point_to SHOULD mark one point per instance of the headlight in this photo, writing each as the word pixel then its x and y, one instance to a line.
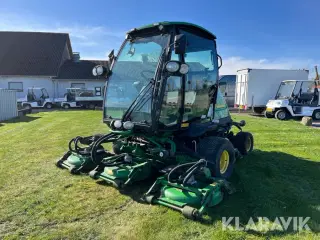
pixel 184 68
pixel 97 70
pixel 128 125
pixel 278 103
pixel 172 66
pixel 117 124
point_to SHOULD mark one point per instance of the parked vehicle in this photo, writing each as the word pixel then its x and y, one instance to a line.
pixel 254 87
pixel 77 97
pixel 36 98
pixel 295 98
pixel 227 85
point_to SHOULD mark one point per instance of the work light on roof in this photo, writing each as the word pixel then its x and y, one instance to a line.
pixel 172 66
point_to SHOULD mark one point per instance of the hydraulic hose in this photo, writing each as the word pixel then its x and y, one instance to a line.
pixel 186 176
pixel 104 139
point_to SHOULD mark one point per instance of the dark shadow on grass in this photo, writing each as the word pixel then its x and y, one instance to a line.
pixel 22 119
pixel 273 184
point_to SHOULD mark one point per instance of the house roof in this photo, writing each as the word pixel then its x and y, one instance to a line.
pixel 81 69
pixel 32 53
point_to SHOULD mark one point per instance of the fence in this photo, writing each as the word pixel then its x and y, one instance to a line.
pixel 8 104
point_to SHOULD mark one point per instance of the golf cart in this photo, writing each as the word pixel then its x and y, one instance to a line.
pixel 295 98
pixel 78 97
pixel 36 98
pixel 170 120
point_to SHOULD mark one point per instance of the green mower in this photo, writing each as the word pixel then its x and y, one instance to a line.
pixel 167 119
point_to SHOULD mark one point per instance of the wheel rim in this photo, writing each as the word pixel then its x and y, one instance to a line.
pixel 317 115
pixel 248 144
pixel 281 115
pixel 224 161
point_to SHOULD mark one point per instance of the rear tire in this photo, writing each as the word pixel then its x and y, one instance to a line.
pixel 66 106
pixel 219 152
pixel 282 115
pixel 316 115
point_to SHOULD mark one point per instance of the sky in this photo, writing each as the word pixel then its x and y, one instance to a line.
pixel 250 33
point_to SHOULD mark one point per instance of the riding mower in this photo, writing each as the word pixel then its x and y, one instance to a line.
pixel 171 122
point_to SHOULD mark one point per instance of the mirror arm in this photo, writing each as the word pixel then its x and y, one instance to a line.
pixel 219 57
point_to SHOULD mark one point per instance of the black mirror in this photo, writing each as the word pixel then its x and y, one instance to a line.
pixel 111 56
pixel 180 44
pixel 242 123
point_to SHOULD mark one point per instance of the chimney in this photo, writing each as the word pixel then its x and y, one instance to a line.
pixel 76 56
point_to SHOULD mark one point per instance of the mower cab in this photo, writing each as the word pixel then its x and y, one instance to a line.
pixel 164 109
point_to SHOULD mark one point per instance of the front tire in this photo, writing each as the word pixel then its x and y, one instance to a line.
pixel 243 141
pixel 282 115
pixel 66 106
pixel 316 115
pixel 219 152
pixel 48 106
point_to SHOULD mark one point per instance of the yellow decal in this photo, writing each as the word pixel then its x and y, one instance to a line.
pixel 185 125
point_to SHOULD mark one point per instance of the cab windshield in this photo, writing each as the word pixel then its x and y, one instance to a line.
pixel 285 90
pixel 132 72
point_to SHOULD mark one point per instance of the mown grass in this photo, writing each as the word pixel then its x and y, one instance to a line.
pixel 39 201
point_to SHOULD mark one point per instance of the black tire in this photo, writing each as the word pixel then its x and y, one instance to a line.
pixel 244 142
pixel 48 106
pixel 190 213
pixel 218 151
pixel 268 115
pixel 66 106
pixel 282 115
pixel 27 106
pixel 316 115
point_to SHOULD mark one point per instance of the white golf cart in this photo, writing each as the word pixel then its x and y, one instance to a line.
pixel 77 97
pixel 36 98
pixel 295 98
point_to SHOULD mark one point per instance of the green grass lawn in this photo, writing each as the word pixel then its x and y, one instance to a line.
pixel 39 201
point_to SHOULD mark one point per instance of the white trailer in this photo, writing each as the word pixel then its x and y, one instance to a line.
pixel 255 87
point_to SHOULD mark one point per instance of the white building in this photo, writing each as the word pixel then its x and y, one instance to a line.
pixel 37 59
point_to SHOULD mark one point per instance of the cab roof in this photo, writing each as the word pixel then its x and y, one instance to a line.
pixel 184 24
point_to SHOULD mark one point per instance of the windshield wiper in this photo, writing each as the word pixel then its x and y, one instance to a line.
pixel 139 101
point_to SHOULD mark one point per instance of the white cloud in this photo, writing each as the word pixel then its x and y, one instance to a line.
pixel 232 64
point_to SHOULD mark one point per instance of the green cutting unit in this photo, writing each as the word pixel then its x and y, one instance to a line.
pixel 167 119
